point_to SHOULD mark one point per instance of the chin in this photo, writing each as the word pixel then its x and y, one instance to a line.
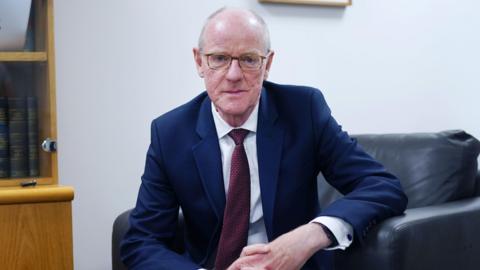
pixel 234 111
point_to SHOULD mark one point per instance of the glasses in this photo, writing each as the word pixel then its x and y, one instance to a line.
pixel 249 61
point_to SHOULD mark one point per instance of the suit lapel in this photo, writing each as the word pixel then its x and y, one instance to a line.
pixel 208 159
pixel 269 149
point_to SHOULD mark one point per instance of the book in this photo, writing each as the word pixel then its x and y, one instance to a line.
pixel 32 136
pixel 18 137
pixel 4 141
pixel 5 89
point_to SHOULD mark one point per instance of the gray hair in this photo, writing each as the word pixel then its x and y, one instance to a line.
pixel 266 33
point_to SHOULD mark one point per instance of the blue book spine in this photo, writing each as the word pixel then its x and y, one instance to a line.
pixel 4 138
pixel 33 146
pixel 18 136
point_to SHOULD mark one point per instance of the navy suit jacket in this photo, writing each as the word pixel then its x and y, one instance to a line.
pixel 296 139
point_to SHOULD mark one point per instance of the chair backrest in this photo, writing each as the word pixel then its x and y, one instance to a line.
pixel 433 167
pixel 120 227
pixel 477 189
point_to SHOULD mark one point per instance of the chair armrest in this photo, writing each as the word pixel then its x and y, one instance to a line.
pixel 435 237
pixel 120 227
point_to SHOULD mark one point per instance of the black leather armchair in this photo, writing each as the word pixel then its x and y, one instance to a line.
pixel 438 231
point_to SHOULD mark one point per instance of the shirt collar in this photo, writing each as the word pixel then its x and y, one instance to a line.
pixel 223 128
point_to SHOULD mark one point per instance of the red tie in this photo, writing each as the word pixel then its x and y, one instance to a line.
pixel 236 217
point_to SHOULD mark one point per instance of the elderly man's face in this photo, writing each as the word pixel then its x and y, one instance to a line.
pixel 234 91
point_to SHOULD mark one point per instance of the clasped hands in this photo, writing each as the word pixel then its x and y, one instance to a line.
pixel 290 251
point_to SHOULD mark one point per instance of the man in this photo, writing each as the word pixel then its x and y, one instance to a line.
pixel 241 162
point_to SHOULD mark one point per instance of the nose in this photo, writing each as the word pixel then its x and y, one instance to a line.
pixel 234 72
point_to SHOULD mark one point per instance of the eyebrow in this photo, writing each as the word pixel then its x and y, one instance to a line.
pixel 225 53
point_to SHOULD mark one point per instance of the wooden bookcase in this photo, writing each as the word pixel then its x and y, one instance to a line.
pixel 36 221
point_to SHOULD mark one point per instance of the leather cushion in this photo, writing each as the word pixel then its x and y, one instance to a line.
pixel 432 167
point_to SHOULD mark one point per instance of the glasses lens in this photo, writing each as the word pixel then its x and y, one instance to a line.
pixel 250 61
pixel 218 60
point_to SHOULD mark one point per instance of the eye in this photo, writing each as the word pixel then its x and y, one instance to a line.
pixel 219 58
pixel 249 59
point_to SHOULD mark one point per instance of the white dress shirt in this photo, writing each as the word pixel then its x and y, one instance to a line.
pixel 257 233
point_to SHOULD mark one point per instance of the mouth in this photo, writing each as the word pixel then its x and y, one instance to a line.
pixel 235 92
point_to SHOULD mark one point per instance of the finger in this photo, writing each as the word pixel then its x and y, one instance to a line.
pixel 243 263
pixel 255 249
pixel 234 266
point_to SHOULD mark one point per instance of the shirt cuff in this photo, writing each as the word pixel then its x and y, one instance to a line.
pixel 342 231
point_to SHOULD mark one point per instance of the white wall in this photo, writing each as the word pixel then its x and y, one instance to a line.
pixel 384 66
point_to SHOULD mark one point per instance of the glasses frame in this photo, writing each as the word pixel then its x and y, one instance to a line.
pixel 262 57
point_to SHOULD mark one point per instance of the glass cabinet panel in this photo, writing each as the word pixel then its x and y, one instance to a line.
pixel 25 121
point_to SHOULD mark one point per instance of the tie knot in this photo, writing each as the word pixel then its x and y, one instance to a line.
pixel 238 135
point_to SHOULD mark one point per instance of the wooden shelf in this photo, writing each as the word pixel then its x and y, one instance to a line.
pixel 15 182
pixel 38 194
pixel 23 56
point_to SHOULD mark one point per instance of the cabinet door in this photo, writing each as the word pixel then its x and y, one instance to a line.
pixel 36 236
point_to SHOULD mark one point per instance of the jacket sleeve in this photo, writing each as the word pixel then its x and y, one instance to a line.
pixel 148 242
pixel 371 193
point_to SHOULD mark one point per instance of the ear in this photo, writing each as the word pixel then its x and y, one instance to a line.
pixel 197 57
pixel 268 64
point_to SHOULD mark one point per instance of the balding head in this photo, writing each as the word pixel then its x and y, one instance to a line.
pixel 234 19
